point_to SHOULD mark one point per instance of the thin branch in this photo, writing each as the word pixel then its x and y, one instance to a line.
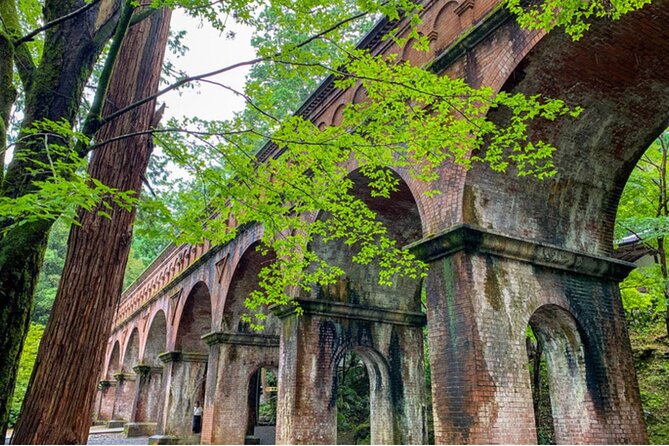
pixel 244 96
pixel 166 130
pixel 30 36
pixel 203 76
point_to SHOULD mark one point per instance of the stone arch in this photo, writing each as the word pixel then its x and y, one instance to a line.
pixel 244 281
pixel 195 320
pixel 131 354
pixel 114 363
pixel 447 25
pixel 401 216
pixel 156 339
pixel 256 392
pixel 626 106
pixel 338 115
pixel 561 340
pixel 381 417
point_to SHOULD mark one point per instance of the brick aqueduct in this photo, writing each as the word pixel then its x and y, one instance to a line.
pixel 503 252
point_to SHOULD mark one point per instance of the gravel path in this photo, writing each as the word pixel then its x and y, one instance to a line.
pixel 115 439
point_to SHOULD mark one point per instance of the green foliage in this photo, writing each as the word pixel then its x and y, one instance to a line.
pixel 353 406
pixel 25 368
pixel 574 16
pixel 411 119
pixel 651 349
pixel 52 268
pixel 643 212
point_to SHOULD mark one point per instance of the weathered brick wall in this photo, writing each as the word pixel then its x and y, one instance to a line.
pixel 226 415
pixel 479 303
pixel 124 398
pixel 184 384
pixel 616 73
pixel 311 347
pixel 479 308
pixel 107 403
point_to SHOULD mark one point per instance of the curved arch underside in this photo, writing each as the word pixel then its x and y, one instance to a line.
pixel 618 73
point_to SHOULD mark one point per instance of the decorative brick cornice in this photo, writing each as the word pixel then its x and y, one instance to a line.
pixel 476 240
pixel 464 6
pixel 470 38
pixel 350 311
pixel 254 339
pixel 176 356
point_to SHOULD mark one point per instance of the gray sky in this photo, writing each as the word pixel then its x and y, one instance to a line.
pixel 208 51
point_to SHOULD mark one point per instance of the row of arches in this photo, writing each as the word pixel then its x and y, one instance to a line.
pixel 528 253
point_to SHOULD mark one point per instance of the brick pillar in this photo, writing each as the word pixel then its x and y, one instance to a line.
pixel 148 396
pixel 483 289
pixel 108 389
pixel 148 393
pixel 99 397
pixel 125 396
pixel 184 378
pixel 391 345
pixel 234 357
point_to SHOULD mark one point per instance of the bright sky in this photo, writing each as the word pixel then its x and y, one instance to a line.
pixel 208 51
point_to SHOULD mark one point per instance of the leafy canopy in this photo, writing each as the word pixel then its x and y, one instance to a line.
pixel 411 120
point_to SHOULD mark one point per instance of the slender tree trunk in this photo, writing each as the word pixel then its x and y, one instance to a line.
pixel 58 405
pixel 53 91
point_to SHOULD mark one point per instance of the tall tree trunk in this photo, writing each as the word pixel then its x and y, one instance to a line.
pixel 58 405
pixel 53 91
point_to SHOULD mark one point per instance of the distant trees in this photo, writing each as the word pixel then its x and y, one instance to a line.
pixel 643 212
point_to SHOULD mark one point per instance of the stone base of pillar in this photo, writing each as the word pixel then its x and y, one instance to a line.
pixel 172 439
pixel 113 424
pixel 139 429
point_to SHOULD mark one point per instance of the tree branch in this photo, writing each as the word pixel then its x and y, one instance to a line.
pixel 31 35
pixel 199 77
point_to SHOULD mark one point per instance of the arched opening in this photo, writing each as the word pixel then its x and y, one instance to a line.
pixel 399 214
pixel 185 372
pixel 245 280
pixel 114 361
pixel 156 340
pixel 262 404
pixel 131 356
pixel 363 398
pixel 195 320
pixel 353 401
pixel 558 364
pixel 150 373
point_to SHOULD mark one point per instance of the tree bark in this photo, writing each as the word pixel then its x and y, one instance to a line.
pixel 52 91
pixel 58 405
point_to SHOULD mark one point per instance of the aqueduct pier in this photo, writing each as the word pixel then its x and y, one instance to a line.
pixel 504 253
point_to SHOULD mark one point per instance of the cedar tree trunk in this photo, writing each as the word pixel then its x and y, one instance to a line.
pixel 53 90
pixel 59 402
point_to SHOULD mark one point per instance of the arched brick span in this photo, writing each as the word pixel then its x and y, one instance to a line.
pixel 503 252
pixel 185 369
pixel 356 313
pixel 236 352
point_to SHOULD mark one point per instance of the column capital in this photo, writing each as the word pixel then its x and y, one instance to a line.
pixel 476 240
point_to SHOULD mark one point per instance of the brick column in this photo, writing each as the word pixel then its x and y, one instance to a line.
pixel 184 378
pixel 100 397
pixel 483 289
pixel 107 400
pixel 234 357
pixel 148 396
pixel 390 343
pixel 125 396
